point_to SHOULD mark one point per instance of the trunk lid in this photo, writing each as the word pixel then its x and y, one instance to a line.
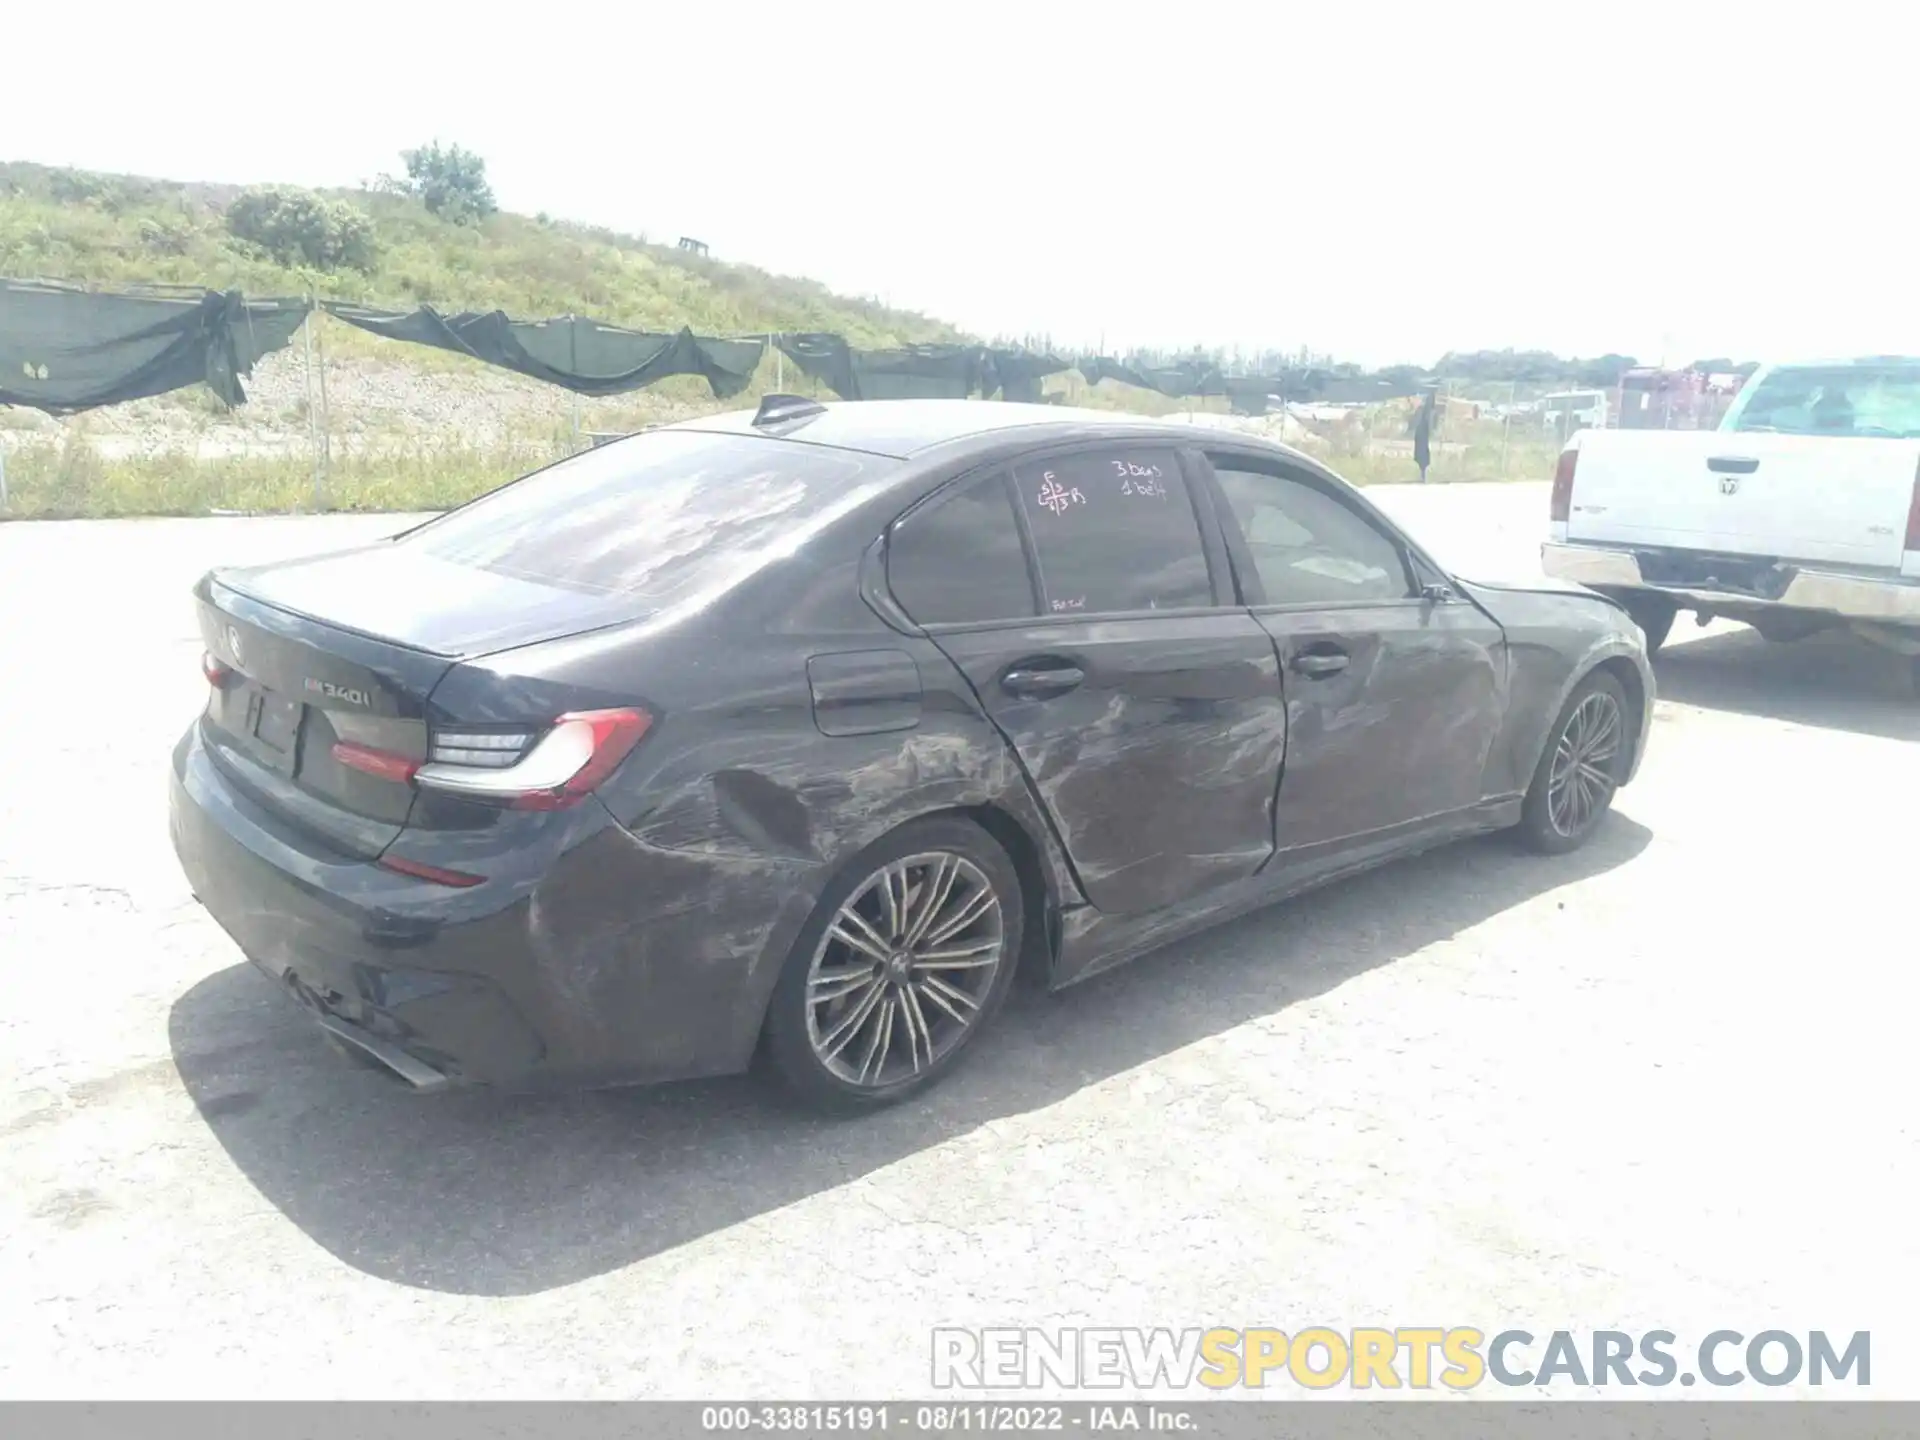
pixel 345 649
pixel 293 689
pixel 1834 500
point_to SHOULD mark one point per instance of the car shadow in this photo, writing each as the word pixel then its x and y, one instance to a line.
pixel 1832 680
pixel 474 1193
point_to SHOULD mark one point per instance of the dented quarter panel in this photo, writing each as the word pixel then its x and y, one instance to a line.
pixel 658 941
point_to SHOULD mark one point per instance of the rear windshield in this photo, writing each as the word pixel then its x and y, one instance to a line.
pixel 651 516
pixel 1869 400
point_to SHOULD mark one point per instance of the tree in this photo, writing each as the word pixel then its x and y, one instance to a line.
pixel 298 227
pixel 1604 372
pixel 449 181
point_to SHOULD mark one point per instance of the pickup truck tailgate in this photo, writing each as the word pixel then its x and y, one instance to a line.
pixel 1834 499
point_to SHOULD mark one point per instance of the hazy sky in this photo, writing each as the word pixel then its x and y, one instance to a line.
pixel 1381 182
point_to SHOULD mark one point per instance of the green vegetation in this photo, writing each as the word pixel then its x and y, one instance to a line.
pixel 450 182
pixel 110 230
pixel 73 481
pixel 297 227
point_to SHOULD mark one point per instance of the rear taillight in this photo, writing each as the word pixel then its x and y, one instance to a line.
pixel 561 769
pixel 1561 505
pixel 217 671
pixel 1913 515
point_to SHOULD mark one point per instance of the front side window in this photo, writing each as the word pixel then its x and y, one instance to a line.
pixel 1114 530
pixel 1307 547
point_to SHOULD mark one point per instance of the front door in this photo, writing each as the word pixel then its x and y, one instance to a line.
pixel 1394 697
pixel 1145 708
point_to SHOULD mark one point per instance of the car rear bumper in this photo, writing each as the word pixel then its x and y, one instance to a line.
pixel 1688 577
pixel 560 983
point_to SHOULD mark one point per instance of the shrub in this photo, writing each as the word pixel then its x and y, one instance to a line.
pixel 78 187
pixel 297 227
pixel 166 235
pixel 449 181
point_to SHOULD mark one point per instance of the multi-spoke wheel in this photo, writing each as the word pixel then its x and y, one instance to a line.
pixel 1581 768
pixel 907 957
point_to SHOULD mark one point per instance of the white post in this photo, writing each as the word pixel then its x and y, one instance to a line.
pixel 3 477
pixel 313 419
pixel 1506 424
pixel 573 359
pixel 326 405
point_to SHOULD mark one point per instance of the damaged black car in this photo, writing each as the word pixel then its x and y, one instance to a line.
pixel 789 736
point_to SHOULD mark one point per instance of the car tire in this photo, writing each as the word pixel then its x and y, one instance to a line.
pixel 1567 801
pixel 1654 616
pixel 922 976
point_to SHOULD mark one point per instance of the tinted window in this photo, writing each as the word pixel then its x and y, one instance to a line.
pixel 1308 548
pixel 960 559
pixel 1114 530
pixel 654 516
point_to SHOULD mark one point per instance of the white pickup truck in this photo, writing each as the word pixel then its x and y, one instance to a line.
pixel 1800 513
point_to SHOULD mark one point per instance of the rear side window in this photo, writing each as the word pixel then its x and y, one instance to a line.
pixel 1114 530
pixel 960 560
pixel 652 517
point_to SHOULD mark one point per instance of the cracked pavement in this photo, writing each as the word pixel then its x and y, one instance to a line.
pixel 1663 1082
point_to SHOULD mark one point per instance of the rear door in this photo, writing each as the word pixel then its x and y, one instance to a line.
pixel 1394 698
pixel 1086 598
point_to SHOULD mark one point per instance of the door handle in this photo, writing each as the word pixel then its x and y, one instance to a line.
pixel 1733 465
pixel 1042 682
pixel 1318 664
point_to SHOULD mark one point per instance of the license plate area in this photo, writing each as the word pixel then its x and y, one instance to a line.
pixel 271 727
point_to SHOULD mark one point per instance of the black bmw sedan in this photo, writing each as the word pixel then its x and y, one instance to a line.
pixel 791 735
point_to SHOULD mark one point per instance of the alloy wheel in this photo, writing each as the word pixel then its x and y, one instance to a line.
pixel 1582 779
pixel 904 970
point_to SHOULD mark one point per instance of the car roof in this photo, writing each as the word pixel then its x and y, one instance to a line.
pixel 903 429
